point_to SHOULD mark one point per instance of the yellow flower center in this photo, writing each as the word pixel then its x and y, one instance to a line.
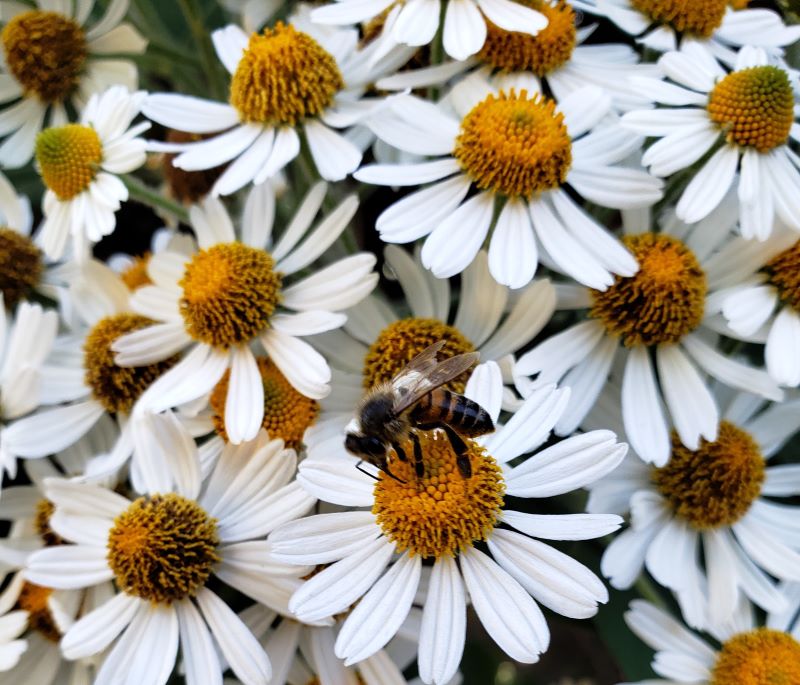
pixel 685 16
pixel 135 276
pixel 759 657
pixel 33 599
pixel 783 272
pixel 754 107
pixel 20 266
pixel 543 53
pixel 441 513
pixel 163 548
pixel 715 484
pixel 515 145
pixel 402 340
pixel 69 158
pixel 44 511
pixel 284 77
pixel 287 412
pixel 230 291
pixel 739 4
pixel 117 387
pixel 660 303
pixel 45 52
pixel 189 187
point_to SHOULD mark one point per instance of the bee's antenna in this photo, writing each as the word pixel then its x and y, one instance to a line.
pixel 360 467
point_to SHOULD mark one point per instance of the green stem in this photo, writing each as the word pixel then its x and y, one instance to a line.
pixel 650 592
pixel 140 192
pixel 204 46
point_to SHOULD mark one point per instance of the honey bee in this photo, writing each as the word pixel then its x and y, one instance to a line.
pixel 393 412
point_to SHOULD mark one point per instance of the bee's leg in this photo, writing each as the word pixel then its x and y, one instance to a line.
pixel 460 448
pixel 419 465
pixel 383 465
pixel 401 455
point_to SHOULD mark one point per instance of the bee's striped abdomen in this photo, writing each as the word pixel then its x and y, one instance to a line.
pixel 460 413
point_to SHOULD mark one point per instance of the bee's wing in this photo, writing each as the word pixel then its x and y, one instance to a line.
pixel 421 383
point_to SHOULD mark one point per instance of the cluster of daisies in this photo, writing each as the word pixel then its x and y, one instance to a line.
pixel 601 197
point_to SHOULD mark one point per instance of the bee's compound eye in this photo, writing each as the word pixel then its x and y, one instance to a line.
pixel 364 445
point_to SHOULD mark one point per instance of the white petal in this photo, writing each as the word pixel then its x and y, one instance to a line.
pixel 444 624
pixel 508 613
pixel 645 425
pixel 379 614
pixel 464 29
pixel 92 633
pixel 304 367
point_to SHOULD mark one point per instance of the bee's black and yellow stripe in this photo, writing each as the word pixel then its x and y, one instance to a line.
pixel 463 415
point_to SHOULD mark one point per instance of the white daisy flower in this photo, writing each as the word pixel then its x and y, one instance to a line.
pixel 293 76
pixel 665 308
pixel 80 163
pixel 375 554
pixel 379 339
pixel 742 651
pixel 707 525
pixel 26 340
pixel 231 294
pixel 762 303
pixel 161 550
pixel 658 24
pixel 555 60
pixel 745 117
pixel 81 377
pixel 54 57
pixel 521 169
pixel 465 26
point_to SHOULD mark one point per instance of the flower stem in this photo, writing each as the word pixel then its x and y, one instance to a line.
pixel 153 199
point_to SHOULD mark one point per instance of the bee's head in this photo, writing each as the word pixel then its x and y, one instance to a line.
pixel 366 446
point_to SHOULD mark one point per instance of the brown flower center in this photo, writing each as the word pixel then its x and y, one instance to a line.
pixel 284 77
pixel 759 657
pixel 714 485
pixel 783 272
pixel 441 513
pixel 754 107
pixel 21 266
pixel 543 53
pixel 45 52
pixel 163 548
pixel 402 340
pixel 685 16
pixel 287 412
pixel 118 387
pixel 660 303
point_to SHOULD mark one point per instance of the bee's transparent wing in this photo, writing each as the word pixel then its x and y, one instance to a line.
pixel 421 383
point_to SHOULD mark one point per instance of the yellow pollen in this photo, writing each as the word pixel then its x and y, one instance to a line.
pixel 283 77
pixel 163 548
pixel 44 511
pixel 189 187
pixel 515 145
pixel 69 158
pixel 402 340
pixel 21 266
pixel 759 657
pixel 287 412
pixel 135 276
pixel 715 484
pixel 695 17
pixel 543 53
pixel 443 512
pixel 754 107
pixel 33 599
pixel 739 4
pixel 660 303
pixel 117 387
pixel 230 291
pixel 45 52
pixel 783 272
